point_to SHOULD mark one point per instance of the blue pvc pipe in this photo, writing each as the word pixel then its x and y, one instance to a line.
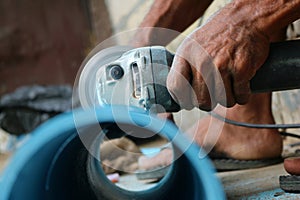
pixel 41 168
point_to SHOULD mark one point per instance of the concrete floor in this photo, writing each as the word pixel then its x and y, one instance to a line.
pixel 261 183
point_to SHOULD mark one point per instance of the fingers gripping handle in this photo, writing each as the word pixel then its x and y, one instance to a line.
pixel 281 71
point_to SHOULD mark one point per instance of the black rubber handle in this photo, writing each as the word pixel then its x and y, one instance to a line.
pixel 281 71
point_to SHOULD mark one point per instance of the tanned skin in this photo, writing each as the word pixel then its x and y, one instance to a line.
pixel 237 39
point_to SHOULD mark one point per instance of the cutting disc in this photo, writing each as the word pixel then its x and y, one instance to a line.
pixel 86 89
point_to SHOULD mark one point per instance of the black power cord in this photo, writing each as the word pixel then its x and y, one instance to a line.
pixel 267 126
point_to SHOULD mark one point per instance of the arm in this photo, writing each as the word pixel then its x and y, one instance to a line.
pixel 171 14
pixel 236 41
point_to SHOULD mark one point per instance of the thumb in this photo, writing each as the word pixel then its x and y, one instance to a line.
pixel 179 83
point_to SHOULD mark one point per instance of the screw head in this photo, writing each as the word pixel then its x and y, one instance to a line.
pixel 116 72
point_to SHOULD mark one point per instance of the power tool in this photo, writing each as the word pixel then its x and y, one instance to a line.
pixel 137 77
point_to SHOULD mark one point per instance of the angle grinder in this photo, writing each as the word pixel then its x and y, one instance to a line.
pixel 122 75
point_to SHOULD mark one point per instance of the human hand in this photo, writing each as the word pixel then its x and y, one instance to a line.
pixel 230 44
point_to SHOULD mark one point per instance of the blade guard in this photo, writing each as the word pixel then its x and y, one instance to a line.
pixel 137 78
pixel 86 89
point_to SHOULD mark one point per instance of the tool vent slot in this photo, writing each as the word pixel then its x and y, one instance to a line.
pixel 136 80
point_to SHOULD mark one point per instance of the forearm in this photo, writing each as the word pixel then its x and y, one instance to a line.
pixel 170 14
pixel 174 14
pixel 267 16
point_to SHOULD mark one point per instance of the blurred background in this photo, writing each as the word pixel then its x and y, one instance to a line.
pixel 44 42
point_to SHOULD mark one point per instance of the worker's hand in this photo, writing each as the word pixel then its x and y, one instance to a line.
pixel 232 46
